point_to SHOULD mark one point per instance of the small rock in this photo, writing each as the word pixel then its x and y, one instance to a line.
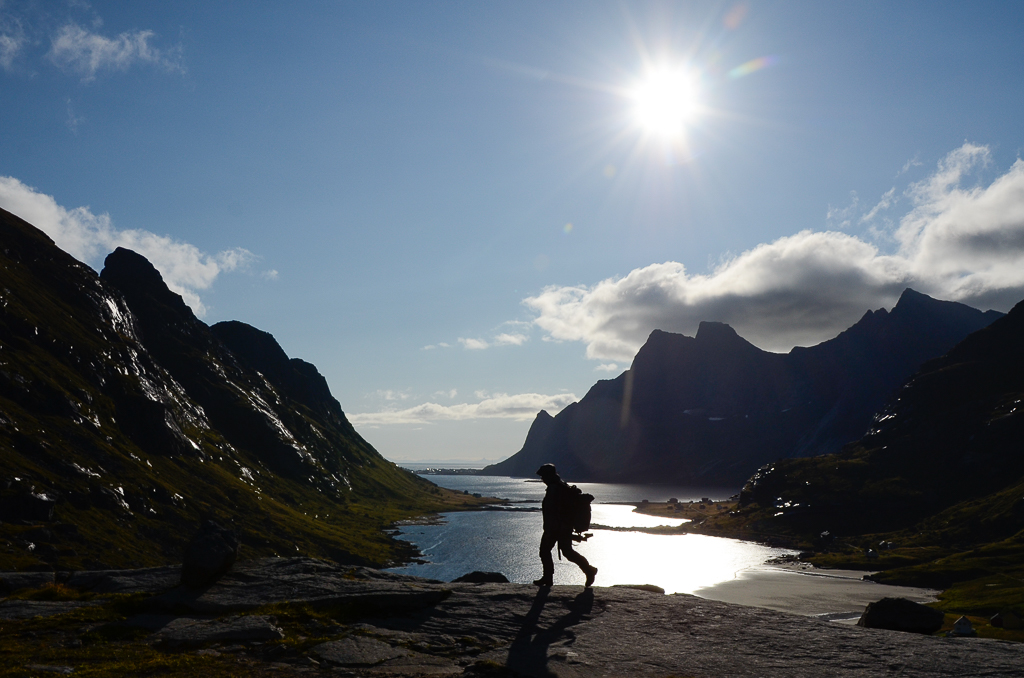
pixel 478 577
pixel 209 555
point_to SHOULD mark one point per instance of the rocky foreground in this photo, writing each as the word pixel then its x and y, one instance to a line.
pixel 303 615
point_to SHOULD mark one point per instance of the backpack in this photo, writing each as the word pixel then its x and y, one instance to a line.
pixel 579 509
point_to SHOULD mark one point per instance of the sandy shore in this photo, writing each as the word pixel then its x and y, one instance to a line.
pixel 838 595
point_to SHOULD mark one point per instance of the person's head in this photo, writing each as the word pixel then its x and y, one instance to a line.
pixel 548 474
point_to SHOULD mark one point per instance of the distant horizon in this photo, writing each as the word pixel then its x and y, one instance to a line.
pixel 450 463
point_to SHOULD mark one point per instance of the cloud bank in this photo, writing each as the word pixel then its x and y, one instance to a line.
pixel 89 238
pixel 74 49
pixel 956 243
pixel 521 406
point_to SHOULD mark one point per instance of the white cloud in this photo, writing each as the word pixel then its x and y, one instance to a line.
pixel 913 162
pixel 504 339
pixel 390 395
pixel 77 50
pixel 964 244
pixel 884 203
pixel 521 406
pixel 12 41
pixel 447 394
pixel 89 237
pixel 510 339
pixel 840 217
pixel 606 367
pixel 473 344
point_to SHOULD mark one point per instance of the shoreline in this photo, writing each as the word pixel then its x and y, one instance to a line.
pixel 833 595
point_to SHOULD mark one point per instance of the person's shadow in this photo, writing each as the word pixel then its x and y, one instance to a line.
pixel 529 651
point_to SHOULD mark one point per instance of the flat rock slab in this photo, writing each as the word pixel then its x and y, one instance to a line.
pixel 278 580
pixel 191 631
pixel 13 581
pixel 27 609
pixel 146 580
pixel 415 627
pixel 357 651
pixel 620 631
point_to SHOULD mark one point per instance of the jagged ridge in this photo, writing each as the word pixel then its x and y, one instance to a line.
pixel 712 408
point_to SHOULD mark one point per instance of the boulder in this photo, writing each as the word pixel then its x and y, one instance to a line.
pixel 900 614
pixel 209 555
pixel 481 578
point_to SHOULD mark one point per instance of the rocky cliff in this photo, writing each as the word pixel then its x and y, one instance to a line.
pixel 712 408
pixel 125 421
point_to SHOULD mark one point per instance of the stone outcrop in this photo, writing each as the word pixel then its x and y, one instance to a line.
pixel 900 614
pixel 394 625
pixel 482 578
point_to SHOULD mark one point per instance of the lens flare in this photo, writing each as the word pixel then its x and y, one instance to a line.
pixel 753 66
pixel 666 101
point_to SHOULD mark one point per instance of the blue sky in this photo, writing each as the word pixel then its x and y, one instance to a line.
pixel 455 211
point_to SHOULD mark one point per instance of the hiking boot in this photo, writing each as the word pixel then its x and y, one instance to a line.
pixel 543 581
pixel 591 573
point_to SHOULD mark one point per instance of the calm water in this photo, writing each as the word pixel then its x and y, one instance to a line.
pixel 506 541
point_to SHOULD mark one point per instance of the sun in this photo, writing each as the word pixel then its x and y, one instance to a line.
pixel 666 102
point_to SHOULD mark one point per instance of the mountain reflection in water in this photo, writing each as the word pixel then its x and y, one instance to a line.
pixel 506 541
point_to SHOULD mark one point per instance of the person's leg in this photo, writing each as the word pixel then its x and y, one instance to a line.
pixel 574 556
pixel 547 542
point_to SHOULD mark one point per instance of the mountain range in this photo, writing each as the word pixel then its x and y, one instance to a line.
pixel 711 409
pixel 125 421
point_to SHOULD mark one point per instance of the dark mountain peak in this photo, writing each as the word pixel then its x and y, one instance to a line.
pixel 293 376
pixel 911 297
pixel 710 331
pixel 138 280
pixel 258 348
pixel 915 307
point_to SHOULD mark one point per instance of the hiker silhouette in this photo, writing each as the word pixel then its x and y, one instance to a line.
pixel 557 509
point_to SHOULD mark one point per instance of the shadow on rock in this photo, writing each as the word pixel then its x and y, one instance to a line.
pixel 528 654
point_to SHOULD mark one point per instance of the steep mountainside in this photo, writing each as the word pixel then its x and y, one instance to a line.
pixel 935 489
pixel 712 408
pixel 948 449
pixel 125 421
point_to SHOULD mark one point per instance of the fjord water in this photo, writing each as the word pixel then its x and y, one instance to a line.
pixel 506 540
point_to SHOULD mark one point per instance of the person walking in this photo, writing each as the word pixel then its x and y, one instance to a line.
pixel 557 511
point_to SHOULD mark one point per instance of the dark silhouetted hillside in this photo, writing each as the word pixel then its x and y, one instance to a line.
pixel 713 408
pixel 125 421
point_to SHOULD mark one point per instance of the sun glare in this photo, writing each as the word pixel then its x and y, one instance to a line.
pixel 666 102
